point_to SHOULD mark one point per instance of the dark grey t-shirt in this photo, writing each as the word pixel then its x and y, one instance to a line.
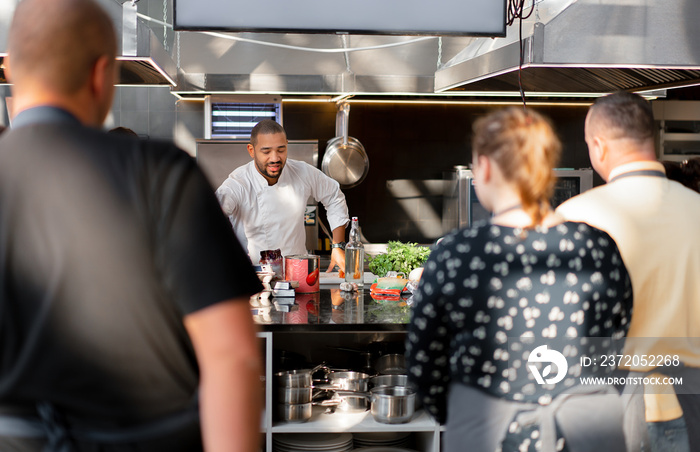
pixel 106 243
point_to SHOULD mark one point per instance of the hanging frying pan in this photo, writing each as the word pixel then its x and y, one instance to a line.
pixel 345 159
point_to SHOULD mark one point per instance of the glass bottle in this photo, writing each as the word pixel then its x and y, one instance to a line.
pixel 355 256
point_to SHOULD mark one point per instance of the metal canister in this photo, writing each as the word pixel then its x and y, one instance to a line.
pixel 304 268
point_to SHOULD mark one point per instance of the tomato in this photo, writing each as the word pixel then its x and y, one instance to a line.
pixel 312 277
pixel 341 274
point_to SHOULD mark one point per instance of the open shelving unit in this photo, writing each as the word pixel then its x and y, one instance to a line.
pixel 426 430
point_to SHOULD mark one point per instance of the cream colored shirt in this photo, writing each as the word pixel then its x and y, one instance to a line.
pixel 656 225
pixel 269 217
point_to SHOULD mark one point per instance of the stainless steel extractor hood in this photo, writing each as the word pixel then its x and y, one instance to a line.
pixel 294 63
pixel 143 59
pixel 150 64
pixel 585 46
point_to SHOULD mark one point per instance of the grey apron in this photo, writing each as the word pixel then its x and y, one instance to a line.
pixel 589 417
pixel 59 436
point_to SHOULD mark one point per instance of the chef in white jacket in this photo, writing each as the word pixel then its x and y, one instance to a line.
pixel 265 199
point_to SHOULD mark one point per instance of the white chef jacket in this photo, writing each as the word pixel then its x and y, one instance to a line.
pixel 269 217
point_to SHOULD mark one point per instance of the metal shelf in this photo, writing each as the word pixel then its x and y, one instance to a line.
pixel 355 422
pixel 427 431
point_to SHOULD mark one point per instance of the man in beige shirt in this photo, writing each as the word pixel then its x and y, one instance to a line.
pixel 656 224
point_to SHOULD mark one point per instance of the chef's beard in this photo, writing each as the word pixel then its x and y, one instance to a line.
pixel 271 176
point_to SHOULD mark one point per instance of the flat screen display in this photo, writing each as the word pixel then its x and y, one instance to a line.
pixel 236 120
pixel 393 17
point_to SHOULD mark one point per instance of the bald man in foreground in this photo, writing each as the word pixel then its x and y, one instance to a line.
pixel 124 317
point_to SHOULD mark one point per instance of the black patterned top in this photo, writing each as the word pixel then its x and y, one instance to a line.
pixel 485 286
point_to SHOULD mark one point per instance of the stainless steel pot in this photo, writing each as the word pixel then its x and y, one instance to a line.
pixel 379 381
pixel 393 404
pixel 348 401
pixel 345 159
pixel 349 381
pixel 391 364
pixel 298 378
pixel 294 395
pixel 299 412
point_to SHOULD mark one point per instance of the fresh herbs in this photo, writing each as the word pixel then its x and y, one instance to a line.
pixel 399 257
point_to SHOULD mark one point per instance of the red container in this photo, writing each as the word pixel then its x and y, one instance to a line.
pixel 303 268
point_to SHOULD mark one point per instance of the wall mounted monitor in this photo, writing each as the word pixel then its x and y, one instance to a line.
pixel 391 17
pixel 233 117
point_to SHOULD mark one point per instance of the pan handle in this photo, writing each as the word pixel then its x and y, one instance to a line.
pixel 353 394
pixel 323 366
pixel 341 121
pixel 345 349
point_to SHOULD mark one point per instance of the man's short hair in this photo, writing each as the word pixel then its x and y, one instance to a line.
pixel 58 42
pixel 265 127
pixel 624 115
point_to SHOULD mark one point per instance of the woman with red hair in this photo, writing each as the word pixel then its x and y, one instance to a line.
pixel 491 296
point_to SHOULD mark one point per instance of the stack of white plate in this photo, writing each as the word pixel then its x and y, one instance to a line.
pixel 383 440
pixel 312 442
pixel 383 449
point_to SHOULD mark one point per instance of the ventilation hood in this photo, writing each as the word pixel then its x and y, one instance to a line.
pixel 143 58
pixel 585 46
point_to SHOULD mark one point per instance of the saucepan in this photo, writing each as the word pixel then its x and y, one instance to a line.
pixel 345 159
pixel 379 381
pixel 291 395
pixel 349 390
pixel 393 404
pixel 299 412
pixel 388 404
pixel 348 381
pixel 298 378
pixel 347 401
pixel 391 364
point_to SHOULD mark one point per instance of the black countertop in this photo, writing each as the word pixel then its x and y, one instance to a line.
pixel 331 310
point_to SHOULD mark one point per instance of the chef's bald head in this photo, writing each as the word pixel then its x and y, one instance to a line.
pixel 57 42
